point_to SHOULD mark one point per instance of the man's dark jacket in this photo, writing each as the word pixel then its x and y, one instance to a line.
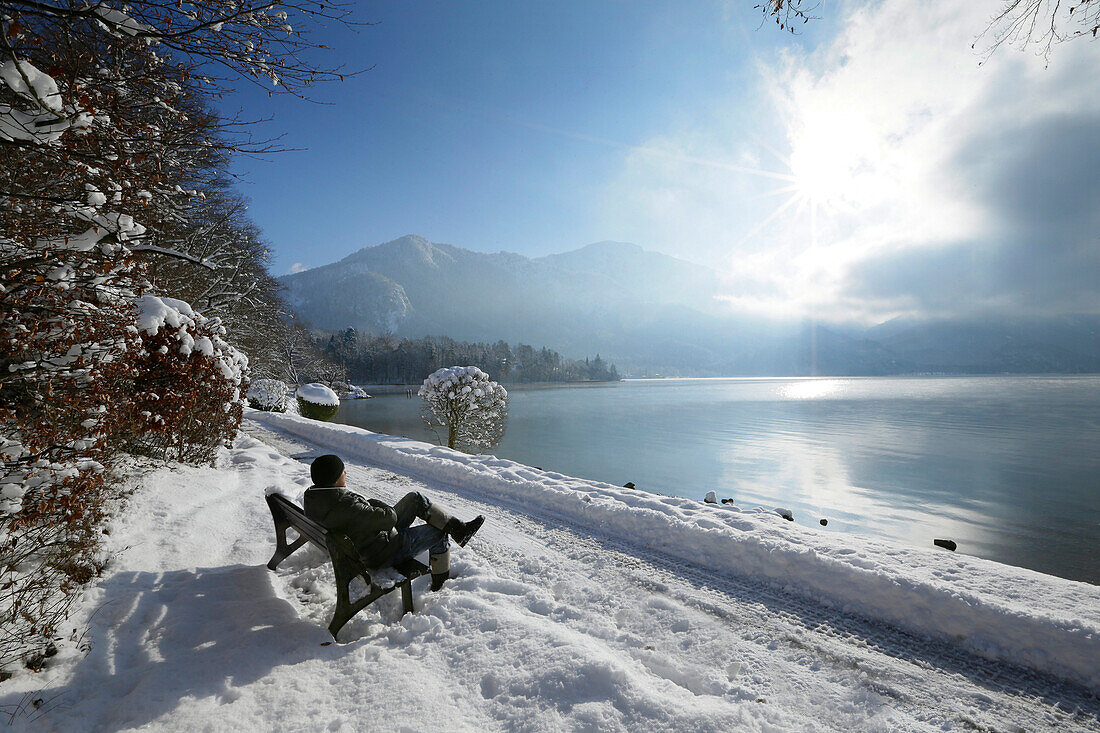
pixel 368 522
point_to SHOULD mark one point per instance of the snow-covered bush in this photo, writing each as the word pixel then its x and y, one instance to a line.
pixel 268 395
pixel 109 141
pixel 464 402
pixel 317 402
pixel 188 392
pixel 82 373
pixel 66 343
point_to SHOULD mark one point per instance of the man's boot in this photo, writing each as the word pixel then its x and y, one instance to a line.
pixel 441 568
pixel 459 531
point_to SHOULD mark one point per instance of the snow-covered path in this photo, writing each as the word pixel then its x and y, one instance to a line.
pixel 727 641
pixel 549 625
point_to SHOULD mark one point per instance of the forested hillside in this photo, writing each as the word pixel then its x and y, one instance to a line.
pixel 389 360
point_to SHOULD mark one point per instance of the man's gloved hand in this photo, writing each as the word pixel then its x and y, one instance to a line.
pixel 387 510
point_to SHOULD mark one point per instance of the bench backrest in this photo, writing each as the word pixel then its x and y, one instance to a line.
pixel 309 529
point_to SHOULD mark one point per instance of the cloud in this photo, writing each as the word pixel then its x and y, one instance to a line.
pixel 296 267
pixel 922 181
pixel 1040 255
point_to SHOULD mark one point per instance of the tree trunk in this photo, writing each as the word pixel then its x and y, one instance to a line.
pixel 451 435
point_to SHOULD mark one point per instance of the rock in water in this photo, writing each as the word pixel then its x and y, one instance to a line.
pixel 824 522
pixel 711 498
pixel 628 485
pixel 785 513
pixel 945 544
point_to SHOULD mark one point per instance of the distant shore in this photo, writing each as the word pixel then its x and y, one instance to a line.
pixel 400 388
pixel 374 389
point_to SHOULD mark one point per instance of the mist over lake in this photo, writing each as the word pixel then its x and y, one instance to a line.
pixel 1008 467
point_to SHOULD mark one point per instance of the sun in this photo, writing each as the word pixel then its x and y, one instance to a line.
pixel 832 169
pixel 821 178
pixel 827 160
pixel 817 174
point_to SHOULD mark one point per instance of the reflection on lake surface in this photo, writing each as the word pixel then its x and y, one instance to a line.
pixel 1008 467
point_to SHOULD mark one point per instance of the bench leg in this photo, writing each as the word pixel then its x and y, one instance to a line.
pixel 345 610
pixel 282 549
pixel 406 597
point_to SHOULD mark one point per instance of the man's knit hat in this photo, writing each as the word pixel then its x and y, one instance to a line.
pixel 326 470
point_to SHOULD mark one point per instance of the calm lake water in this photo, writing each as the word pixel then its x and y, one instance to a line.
pixel 1008 467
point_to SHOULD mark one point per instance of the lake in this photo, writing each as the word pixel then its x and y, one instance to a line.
pixel 1007 467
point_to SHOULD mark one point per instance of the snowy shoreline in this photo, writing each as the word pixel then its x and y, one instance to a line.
pixel 994 610
pixel 570 610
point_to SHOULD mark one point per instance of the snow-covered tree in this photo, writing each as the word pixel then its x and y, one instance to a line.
pixel 268 395
pixel 189 382
pixel 66 336
pixel 109 150
pixel 465 404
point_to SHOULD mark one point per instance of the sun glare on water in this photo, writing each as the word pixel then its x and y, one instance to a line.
pixel 810 389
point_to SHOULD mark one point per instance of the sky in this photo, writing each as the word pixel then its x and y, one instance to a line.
pixel 874 164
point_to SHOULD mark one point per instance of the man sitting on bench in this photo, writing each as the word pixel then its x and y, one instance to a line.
pixel 382 533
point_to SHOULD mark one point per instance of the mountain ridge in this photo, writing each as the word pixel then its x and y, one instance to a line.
pixel 653 313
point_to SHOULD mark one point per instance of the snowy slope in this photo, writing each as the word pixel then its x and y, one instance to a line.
pixel 570 611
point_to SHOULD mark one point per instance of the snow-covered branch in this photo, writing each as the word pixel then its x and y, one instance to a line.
pixel 173 253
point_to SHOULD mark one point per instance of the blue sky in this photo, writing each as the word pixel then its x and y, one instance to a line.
pixel 869 166
pixel 494 125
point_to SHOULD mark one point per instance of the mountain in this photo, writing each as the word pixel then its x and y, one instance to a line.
pixel 650 313
pixel 643 275
pixel 597 299
pixel 1061 344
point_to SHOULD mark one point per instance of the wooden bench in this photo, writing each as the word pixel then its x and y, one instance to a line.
pixel 346 563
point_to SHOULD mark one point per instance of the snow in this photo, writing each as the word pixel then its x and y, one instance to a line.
pixel 356 393
pixel 468 380
pixel 121 224
pixel 30 83
pixel 993 610
pixel 579 606
pixel 76 242
pixel 267 394
pixel 154 313
pixel 466 405
pixel 43 128
pixel 318 394
pixel 205 346
pixel 46 120
pixel 119 21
